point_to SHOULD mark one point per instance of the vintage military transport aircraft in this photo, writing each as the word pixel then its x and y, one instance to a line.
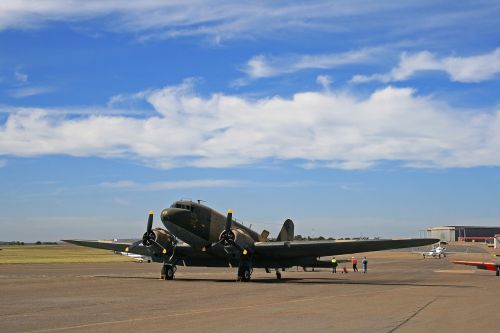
pixel 211 239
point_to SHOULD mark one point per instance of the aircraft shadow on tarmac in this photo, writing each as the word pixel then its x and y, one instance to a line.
pixel 317 281
pixel 123 277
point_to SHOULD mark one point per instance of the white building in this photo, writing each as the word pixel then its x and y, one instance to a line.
pixel 451 233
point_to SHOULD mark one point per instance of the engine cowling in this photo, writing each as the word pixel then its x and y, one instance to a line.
pixel 160 236
pixel 239 236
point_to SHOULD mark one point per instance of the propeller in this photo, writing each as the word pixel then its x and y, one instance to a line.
pixel 227 237
pixel 149 237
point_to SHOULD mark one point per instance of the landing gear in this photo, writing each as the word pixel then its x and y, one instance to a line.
pixel 244 273
pixel 498 270
pixel 278 274
pixel 167 272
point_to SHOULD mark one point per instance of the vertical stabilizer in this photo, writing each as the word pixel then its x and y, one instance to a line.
pixel 286 233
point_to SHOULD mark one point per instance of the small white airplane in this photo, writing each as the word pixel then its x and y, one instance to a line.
pixel 436 252
pixel 137 257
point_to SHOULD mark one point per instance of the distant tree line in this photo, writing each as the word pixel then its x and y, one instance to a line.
pixel 12 243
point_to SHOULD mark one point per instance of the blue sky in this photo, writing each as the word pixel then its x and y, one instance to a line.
pixel 351 118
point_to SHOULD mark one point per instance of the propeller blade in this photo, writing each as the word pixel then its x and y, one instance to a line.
pixel 163 250
pixel 150 221
pixel 229 219
pixel 206 247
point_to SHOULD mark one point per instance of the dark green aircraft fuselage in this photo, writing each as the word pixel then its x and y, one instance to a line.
pixel 198 224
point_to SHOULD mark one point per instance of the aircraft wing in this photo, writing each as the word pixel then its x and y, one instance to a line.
pixel 490 266
pixel 182 251
pixel 300 249
pixel 187 255
pixel 108 245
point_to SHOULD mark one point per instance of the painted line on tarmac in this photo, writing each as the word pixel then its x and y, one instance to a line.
pixel 413 315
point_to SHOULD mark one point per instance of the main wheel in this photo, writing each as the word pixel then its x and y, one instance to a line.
pixel 167 272
pixel 244 274
pixel 278 275
pixel 498 270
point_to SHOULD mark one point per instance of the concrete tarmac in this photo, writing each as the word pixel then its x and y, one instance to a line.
pixel 400 293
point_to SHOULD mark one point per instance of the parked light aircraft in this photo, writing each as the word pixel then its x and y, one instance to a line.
pixel 137 257
pixel 436 252
pixel 212 239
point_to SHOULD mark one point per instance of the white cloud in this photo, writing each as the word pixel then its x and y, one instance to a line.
pixel 169 19
pixel 30 91
pixel 325 129
pixel 224 19
pixel 195 183
pixel 325 81
pixel 462 69
pixel 262 66
pixel 172 185
pixel 21 78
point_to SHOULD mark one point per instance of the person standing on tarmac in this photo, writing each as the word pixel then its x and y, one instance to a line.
pixel 365 265
pixel 354 264
pixel 334 265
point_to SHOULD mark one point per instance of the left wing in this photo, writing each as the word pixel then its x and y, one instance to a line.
pixel 302 249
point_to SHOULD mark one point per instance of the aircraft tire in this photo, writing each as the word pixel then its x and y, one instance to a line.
pixel 244 274
pixel 498 270
pixel 278 275
pixel 167 272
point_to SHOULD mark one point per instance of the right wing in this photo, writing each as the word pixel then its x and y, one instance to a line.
pixel 186 254
pixel 109 245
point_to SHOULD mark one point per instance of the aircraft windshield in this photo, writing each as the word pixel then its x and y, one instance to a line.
pixel 182 206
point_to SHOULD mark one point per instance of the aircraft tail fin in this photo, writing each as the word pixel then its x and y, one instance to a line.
pixel 287 232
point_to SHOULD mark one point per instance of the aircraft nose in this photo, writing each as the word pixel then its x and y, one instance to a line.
pixel 177 216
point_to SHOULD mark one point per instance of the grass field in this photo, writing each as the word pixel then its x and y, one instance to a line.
pixel 51 254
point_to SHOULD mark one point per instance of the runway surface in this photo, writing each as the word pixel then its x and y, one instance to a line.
pixel 400 293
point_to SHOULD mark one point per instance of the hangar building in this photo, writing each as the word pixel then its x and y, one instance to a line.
pixel 452 233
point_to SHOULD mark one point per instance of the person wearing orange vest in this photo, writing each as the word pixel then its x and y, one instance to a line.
pixel 354 264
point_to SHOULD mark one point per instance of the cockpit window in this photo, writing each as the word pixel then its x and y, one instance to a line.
pixel 181 206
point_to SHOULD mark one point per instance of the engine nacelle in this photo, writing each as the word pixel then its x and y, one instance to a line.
pixel 160 236
pixel 239 236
